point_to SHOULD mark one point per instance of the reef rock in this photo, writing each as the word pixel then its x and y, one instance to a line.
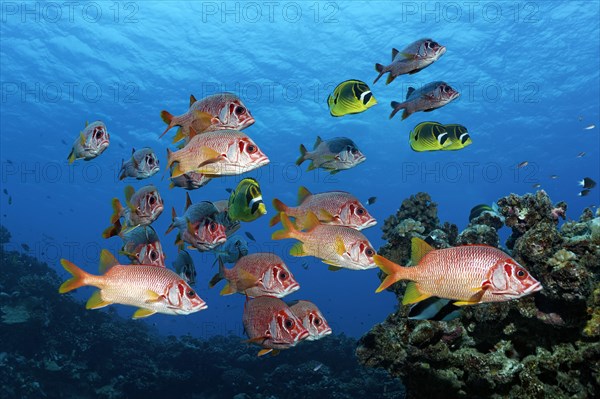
pixel 541 346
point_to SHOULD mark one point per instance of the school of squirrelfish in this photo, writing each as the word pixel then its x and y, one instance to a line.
pixel 212 142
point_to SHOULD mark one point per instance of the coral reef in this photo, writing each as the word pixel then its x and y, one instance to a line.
pixel 53 348
pixel 4 235
pixel 541 346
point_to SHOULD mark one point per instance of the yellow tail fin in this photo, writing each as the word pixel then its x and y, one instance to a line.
pixel 78 279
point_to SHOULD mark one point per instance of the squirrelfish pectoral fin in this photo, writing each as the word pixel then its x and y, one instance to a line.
pixel 263 352
pixel 141 313
pixel 81 138
pixel 152 297
pixel 419 249
pixel 71 157
pixel 334 268
pixel 246 280
pixel 326 216
pixel 202 121
pixel 340 248
pixel 107 260
pixel 311 221
pixel 96 301
pixel 413 295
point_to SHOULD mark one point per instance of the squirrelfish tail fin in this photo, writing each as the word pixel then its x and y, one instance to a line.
pixel 288 230
pixel 394 272
pixel 279 207
pixel 78 280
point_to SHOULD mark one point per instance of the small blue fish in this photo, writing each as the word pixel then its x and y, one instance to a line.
pixel 184 266
pixel 234 248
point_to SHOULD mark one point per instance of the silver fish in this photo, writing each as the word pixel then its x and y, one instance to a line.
pixel 184 266
pixel 143 164
pixel 412 59
pixel 90 143
pixel 429 97
pixel 334 155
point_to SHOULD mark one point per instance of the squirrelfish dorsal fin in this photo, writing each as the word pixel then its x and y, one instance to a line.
pixel 107 260
pixel 319 141
pixel 394 53
pixel 409 92
pixel 419 249
pixel 188 202
pixel 303 194
pixel 192 99
pixel 129 191
pixel 311 221
pixel 86 123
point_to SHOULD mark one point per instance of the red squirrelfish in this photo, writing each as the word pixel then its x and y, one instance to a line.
pixel 412 59
pixel 467 275
pixel 142 247
pixel 151 289
pixel 90 143
pixel 256 275
pixel 312 319
pixel 337 246
pixel 429 97
pixel 270 323
pixel 332 207
pixel 142 208
pixel 215 112
pixel 198 226
pixel 219 153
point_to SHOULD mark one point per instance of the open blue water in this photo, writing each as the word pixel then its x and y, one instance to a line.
pixel 528 73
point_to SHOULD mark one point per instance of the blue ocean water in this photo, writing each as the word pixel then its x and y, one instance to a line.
pixel 528 73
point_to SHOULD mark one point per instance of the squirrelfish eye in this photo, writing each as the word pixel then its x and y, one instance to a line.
pixel 369 252
pixel 317 321
pixel 99 134
pixel 283 275
pixel 251 149
pixel 153 255
pixel 212 226
pixel 190 294
pixel 151 199
pixel 360 211
pixel 239 110
pixel 354 151
pixel 288 323
pixel 149 160
pixel 521 274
